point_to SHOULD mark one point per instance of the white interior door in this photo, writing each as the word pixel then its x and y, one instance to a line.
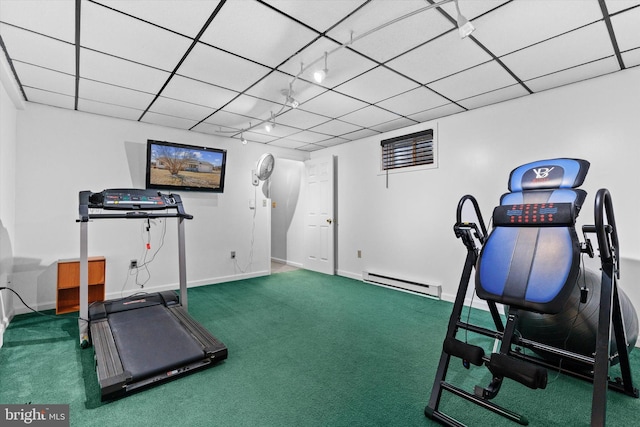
pixel 319 218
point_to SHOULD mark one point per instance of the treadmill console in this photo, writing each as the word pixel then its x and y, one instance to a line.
pixel 132 199
pixel 136 202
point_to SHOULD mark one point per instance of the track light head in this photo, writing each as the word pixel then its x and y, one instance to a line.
pixel 320 75
pixel 289 99
pixel 464 26
pixel 270 124
pixel 243 139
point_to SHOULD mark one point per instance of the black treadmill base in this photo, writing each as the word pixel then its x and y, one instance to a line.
pixel 142 341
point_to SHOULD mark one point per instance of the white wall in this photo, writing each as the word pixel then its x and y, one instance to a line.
pixel 406 230
pixel 62 152
pixel 8 112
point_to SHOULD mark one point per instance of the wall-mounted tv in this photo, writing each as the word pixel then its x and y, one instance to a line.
pixel 181 167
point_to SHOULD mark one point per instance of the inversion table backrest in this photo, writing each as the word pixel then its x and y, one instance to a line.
pixel 531 259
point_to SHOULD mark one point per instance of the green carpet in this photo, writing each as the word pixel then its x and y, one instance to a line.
pixel 305 349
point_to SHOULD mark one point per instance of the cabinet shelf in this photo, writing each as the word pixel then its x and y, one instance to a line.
pixel 68 287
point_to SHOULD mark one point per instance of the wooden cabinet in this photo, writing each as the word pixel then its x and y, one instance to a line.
pixel 68 289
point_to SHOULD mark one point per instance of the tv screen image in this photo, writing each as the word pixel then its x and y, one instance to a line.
pixel 184 167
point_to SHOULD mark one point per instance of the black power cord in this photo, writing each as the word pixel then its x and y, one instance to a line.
pixel 2 288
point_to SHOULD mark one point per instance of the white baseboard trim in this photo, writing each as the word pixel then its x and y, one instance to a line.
pixel 285 262
pixel 350 275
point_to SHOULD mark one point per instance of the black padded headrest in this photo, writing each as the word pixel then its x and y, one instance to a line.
pixel 549 174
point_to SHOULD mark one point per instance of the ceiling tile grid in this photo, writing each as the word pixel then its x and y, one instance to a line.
pixel 229 67
pixel 37 49
pixel 112 32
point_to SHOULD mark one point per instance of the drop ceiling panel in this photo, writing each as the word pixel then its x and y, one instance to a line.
pixel 493 97
pixel 523 23
pixel 394 124
pixel 43 78
pixel 301 119
pixel 332 142
pixel 169 121
pixel 318 14
pixel 440 58
pixel 197 92
pixel 332 104
pixel 413 101
pixel 434 113
pixel 474 81
pixel 614 6
pixel 369 116
pixel 240 26
pixel 472 9
pixel 253 107
pixel 575 74
pixel 335 128
pixel 359 134
pixel 49 98
pixel 626 27
pixel 220 68
pixel 230 120
pixel 120 72
pixel 112 32
pixel 577 47
pixel 38 50
pixel 287 143
pixel 185 110
pixel 631 58
pixel 373 14
pixel 311 147
pixel 376 85
pixel 110 110
pixel 117 95
pixel 387 42
pixel 55 18
pixel 185 17
pixel 308 137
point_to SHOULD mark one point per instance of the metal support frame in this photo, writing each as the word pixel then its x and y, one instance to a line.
pixel 182 264
pixel 610 315
pixel 83 320
pixel 85 217
pixel 610 324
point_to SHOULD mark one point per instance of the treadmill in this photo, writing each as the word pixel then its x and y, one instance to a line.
pixel 144 339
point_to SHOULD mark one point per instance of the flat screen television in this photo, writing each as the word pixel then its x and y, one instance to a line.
pixel 181 167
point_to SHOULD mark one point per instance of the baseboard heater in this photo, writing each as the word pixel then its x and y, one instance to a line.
pixel 394 282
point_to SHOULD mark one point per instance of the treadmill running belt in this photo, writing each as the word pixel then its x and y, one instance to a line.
pixel 150 340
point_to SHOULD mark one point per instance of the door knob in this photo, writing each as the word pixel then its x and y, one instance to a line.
pixel 329 220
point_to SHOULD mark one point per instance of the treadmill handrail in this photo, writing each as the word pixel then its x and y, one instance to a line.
pixel 85 202
pixel 134 215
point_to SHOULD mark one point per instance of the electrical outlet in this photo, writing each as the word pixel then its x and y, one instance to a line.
pixel 133 264
pixel 359 253
pixel 233 254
